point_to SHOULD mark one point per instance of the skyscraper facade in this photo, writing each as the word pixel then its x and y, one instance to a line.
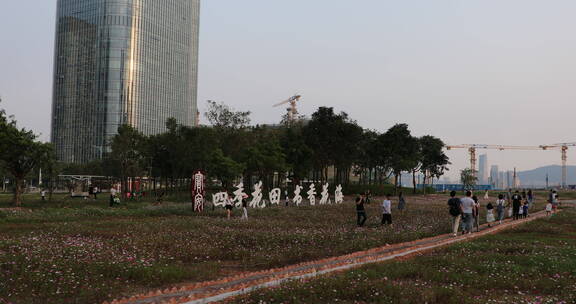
pixel 121 62
pixel 495 177
pixel 483 174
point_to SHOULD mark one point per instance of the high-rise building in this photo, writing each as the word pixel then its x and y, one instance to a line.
pixel 121 62
pixel 494 176
pixel 483 169
pixel 503 181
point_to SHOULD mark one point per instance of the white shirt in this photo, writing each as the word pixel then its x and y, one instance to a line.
pixel 467 204
pixel 113 191
pixel 387 207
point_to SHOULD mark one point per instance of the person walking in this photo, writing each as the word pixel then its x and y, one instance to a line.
pixel 455 211
pixel 525 208
pixel 549 209
pixel 360 211
pixel 516 204
pixel 555 201
pixel 245 207
pixel 467 205
pixel 96 193
pixel 112 196
pixel 387 211
pixel 476 213
pixel 401 201
pixel 490 214
pixel 43 195
pixel 530 199
pixel 368 197
pixel 229 207
pixel 501 207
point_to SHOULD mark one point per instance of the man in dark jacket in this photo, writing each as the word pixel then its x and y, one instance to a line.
pixel 454 209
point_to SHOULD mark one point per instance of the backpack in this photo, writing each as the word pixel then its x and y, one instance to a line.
pixel 454 204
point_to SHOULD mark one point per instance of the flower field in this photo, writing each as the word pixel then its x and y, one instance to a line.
pixel 85 252
pixel 534 263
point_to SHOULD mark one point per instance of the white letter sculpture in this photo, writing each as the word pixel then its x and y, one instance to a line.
pixel 275 196
pixel 297 197
pixel 219 199
pixel 198 191
pixel 312 195
pixel 257 197
pixel 325 199
pixel 239 195
pixel 339 196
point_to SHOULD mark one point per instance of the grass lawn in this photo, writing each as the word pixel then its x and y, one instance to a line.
pixel 81 251
pixel 534 263
pixel 77 251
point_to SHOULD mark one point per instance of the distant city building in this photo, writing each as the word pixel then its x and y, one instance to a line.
pixel 483 169
pixel 510 179
pixel 121 62
pixel 503 180
pixel 495 177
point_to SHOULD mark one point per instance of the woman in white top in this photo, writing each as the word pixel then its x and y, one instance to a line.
pixel 501 207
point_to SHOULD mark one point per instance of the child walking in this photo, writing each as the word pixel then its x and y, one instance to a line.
pixel 490 214
pixel 525 207
pixel 549 209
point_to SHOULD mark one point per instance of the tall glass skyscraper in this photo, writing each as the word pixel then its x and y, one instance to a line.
pixel 121 62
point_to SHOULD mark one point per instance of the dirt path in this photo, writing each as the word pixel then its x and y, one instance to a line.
pixel 210 292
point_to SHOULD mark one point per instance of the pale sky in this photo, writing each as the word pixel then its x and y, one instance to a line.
pixel 468 71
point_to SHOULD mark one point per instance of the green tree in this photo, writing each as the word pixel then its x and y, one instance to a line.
pixel 224 168
pixel 128 148
pixel 401 150
pixel 468 179
pixel 433 159
pixel 264 156
pixel 334 139
pixel 20 153
pixel 298 154
pixel 221 115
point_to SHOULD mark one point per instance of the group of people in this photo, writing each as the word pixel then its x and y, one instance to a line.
pixel 386 208
pixel 229 206
pixel 465 211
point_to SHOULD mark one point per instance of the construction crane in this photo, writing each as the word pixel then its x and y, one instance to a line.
pixel 564 149
pixel 293 109
pixel 472 149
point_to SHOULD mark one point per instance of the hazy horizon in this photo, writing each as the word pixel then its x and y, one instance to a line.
pixel 485 72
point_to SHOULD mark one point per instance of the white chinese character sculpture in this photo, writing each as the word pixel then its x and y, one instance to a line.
pixel 239 195
pixel 275 196
pixel 339 196
pixel 325 199
pixel 297 195
pixel 198 192
pixel 257 197
pixel 312 195
pixel 220 199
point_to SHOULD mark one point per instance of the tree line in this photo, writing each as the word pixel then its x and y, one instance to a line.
pixel 329 146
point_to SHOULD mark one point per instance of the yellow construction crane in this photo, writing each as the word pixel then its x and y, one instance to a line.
pixel 293 109
pixel 472 148
pixel 564 149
